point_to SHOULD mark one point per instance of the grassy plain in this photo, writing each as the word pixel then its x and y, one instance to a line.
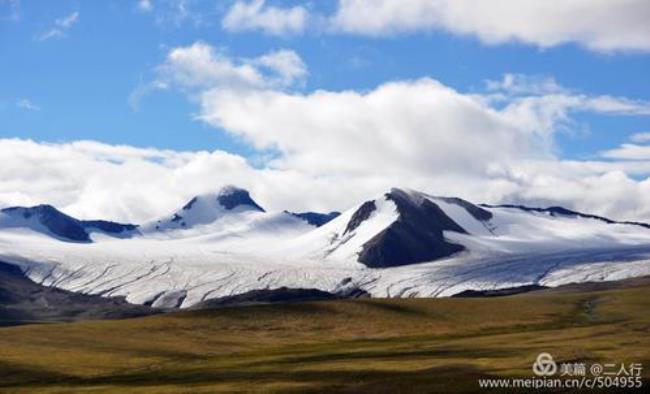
pixel 391 346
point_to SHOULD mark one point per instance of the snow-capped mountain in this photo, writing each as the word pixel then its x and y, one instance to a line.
pixel 207 209
pixel 48 220
pixel 402 243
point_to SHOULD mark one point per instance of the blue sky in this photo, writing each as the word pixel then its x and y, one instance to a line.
pixel 81 81
pixel 70 70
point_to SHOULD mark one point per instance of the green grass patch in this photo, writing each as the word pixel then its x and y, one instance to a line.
pixel 408 345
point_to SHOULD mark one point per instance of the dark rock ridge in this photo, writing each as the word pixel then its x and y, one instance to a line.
pixel 23 301
pixel 361 214
pixel 232 197
pixel 279 295
pixel 415 237
pixel 58 223
pixel 107 226
pixel 190 204
pixel 499 292
pixel 66 227
pixel 315 218
pixel 560 211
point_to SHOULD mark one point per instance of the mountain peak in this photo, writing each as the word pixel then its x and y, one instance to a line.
pixel 231 197
pixel 55 221
pixel 230 189
pixel 228 197
pixel 208 208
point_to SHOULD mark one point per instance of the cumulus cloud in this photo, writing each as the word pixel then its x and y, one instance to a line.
pixel 199 67
pixel 256 15
pixel 599 25
pixel 397 128
pixel 286 64
pixel 61 25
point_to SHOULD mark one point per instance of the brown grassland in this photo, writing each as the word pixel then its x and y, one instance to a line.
pixel 407 345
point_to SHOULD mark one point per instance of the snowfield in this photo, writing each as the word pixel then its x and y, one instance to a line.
pixel 207 250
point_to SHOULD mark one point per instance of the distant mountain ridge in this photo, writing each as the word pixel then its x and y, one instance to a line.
pixel 68 228
pixel 555 210
pixel 415 236
pixel 402 243
pixel 315 218
pixel 61 225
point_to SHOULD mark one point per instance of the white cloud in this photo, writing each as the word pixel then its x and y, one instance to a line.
pixel 621 105
pixel 541 103
pixel 145 6
pixel 640 137
pixel 199 67
pixel 286 63
pixel 400 129
pixel 592 187
pixel 397 128
pixel 629 152
pixel 525 84
pixel 600 25
pixel 27 105
pixel 61 25
pixel 256 15
pixel 68 21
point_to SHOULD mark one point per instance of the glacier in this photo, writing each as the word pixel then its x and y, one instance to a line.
pixel 223 244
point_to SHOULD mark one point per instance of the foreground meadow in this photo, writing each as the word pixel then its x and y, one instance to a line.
pixel 405 345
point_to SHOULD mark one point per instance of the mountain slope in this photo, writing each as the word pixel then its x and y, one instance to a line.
pixel 23 301
pixel 416 236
